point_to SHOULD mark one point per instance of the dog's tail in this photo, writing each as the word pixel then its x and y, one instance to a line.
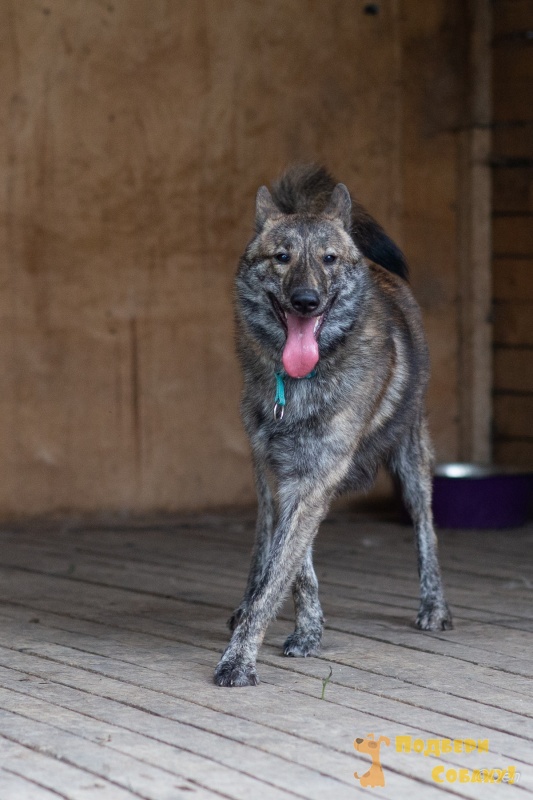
pixel 306 189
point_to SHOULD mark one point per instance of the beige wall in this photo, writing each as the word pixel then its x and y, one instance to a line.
pixel 134 134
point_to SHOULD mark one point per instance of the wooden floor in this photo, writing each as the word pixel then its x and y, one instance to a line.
pixel 109 634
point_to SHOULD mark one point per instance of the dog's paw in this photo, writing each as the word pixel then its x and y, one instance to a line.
pixel 300 645
pixel 434 615
pixel 235 673
pixel 236 617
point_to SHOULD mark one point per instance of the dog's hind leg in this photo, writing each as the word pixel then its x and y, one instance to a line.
pixel 263 537
pixel 412 463
pixel 305 639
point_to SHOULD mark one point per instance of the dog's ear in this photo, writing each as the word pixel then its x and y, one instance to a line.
pixel 265 208
pixel 340 205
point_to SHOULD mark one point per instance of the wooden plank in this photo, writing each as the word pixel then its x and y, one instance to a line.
pixel 511 16
pixel 131 623
pixel 336 717
pixel 177 551
pixel 513 416
pixel 513 140
pixel 341 605
pixel 513 369
pixel 511 108
pixel 403 582
pixel 499 649
pixel 496 649
pixel 345 576
pixel 360 586
pixel 308 686
pixel 339 596
pixel 288 708
pixel 394 544
pixel 206 592
pixel 513 279
pixel 249 745
pixel 512 100
pixel 499 642
pixel 132 704
pixel 145 782
pixel 509 686
pixel 38 765
pixel 117 584
pixel 122 571
pixel 19 787
pixel 208 555
pixel 512 63
pixel 513 235
pixel 172 545
pixel 512 190
pixel 89 744
pixel 342 586
pixel 516 453
pixel 513 323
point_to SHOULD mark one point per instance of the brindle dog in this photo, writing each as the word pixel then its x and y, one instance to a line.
pixel 335 367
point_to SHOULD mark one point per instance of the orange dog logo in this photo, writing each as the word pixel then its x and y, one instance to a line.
pixel 374 776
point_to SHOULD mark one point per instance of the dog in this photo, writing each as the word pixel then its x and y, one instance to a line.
pixel 335 367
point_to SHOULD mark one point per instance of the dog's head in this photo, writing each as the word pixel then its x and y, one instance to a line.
pixel 297 284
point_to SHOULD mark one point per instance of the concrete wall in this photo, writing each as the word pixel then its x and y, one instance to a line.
pixel 133 135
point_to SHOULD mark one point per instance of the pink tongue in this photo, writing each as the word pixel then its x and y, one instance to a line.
pixel 300 354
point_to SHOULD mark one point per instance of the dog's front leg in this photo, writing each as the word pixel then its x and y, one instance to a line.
pixel 306 637
pixel 263 538
pixel 299 518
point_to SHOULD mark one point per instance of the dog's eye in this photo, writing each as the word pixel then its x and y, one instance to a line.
pixel 282 258
pixel 329 258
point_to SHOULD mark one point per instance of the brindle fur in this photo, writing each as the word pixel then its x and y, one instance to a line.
pixel 363 408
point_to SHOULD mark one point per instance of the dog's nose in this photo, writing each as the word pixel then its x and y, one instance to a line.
pixel 305 300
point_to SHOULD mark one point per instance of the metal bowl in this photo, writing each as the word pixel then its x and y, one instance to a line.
pixel 477 496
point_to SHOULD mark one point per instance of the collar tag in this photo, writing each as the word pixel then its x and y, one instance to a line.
pixel 279 400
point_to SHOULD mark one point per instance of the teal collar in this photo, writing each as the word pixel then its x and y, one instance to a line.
pixel 279 400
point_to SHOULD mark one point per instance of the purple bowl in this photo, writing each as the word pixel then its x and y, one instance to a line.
pixel 474 496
